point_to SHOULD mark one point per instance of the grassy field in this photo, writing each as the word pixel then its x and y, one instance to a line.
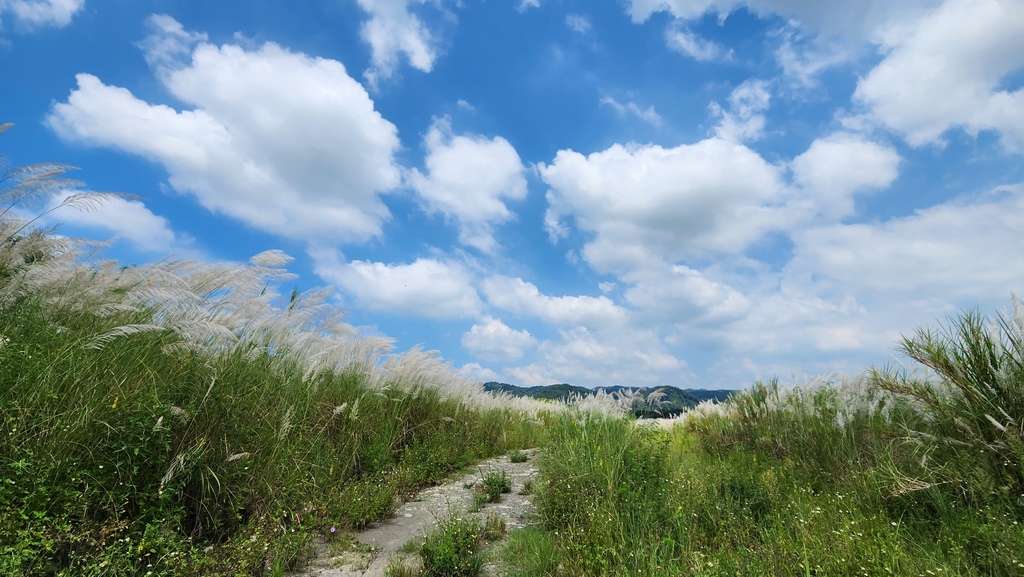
pixel 893 474
pixel 184 418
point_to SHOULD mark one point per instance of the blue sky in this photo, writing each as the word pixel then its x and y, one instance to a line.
pixel 641 192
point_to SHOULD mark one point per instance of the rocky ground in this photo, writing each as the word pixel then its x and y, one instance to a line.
pixel 379 544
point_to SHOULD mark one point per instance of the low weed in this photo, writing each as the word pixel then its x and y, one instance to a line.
pixel 452 549
pixel 399 568
pixel 518 456
pixel 530 552
pixel 495 527
pixel 495 484
pixel 479 500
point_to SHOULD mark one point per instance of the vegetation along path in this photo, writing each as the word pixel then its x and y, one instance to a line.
pixel 384 543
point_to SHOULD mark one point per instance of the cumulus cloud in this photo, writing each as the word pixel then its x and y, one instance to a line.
pixel 944 70
pixel 282 141
pixel 523 298
pixel 31 14
pixel 493 340
pixel 478 373
pixel 393 30
pixel 852 289
pixel 836 166
pixel 648 115
pixel 590 358
pixel 467 177
pixel 424 288
pixel 945 60
pixel 646 205
pixel 682 295
pixel 965 249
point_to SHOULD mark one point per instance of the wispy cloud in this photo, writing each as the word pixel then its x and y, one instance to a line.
pixel 525 5
pixel 578 23
pixel 648 115
pixel 688 43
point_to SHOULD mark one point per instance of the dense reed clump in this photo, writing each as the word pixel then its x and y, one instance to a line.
pixel 895 473
pixel 971 412
pixel 184 418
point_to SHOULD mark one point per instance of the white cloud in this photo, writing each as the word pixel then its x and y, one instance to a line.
pixel 944 71
pixel 525 5
pixel 681 295
pixel 284 142
pixel 169 45
pixel 478 373
pixel 744 119
pixel 425 288
pixel 578 23
pixel 129 220
pixel 523 298
pixel 854 18
pixel 787 328
pixel 852 289
pixel 648 115
pixel 962 250
pixel 836 166
pixel 690 44
pixel 601 359
pixel 468 176
pixel 646 204
pixel 641 10
pixel 491 339
pixel 945 60
pixel 803 59
pixel 32 14
pixel 393 30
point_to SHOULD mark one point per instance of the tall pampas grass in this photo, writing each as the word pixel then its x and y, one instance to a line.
pixel 192 404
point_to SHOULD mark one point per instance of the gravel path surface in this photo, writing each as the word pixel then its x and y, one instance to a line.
pixel 415 518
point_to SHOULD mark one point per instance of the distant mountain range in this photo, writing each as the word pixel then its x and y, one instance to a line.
pixel 675 401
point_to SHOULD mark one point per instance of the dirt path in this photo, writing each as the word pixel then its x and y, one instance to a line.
pixel 414 519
